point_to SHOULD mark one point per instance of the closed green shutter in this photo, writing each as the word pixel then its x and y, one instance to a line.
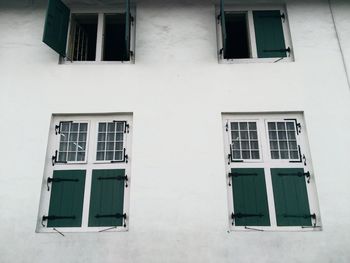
pixel 269 34
pixel 290 195
pixel 67 197
pixel 127 29
pixel 223 28
pixel 56 26
pixel 249 197
pixel 107 198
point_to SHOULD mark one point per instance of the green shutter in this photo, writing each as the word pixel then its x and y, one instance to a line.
pixel 249 197
pixel 290 195
pixel 56 26
pixel 269 34
pixel 107 198
pixel 67 197
pixel 127 29
pixel 223 27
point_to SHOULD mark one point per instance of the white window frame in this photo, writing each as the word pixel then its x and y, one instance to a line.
pixel 89 166
pixel 267 163
pixel 248 10
pixel 101 12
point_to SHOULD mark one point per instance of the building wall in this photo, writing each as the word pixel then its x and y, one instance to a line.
pixel 177 92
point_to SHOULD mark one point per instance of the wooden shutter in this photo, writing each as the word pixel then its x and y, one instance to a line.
pixel 249 197
pixel 56 26
pixel 127 29
pixel 269 34
pixel 290 195
pixel 67 196
pixel 107 197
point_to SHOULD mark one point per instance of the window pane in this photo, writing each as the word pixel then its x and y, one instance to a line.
pixel 243 126
pixel 253 135
pixel 102 127
pixel 111 127
pixel 101 137
pixel 234 125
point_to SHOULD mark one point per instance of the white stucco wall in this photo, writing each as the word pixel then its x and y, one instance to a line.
pixel 177 92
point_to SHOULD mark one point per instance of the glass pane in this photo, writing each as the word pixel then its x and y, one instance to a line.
pixel 294 155
pixel 282 135
pixel 120 126
pixel 234 125
pixel 82 137
pixel 81 146
pixel 110 146
pixel 64 137
pixel 291 135
pixel 73 137
pixel 102 127
pixel 119 146
pixel 284 154
pixel 236 154
pixel 110 136
pixel 274 145
pixel 255 155
pixel 272 126
pixel 293 145
pixel 245 144
pixel 111 127
pixel 101 137
pixel 275 155
pixel 74 127
pixel 100 146
pixel 83 127
pixel 245 155
pixel 118 155
pixel 63 146
pixel 72 146
pixel 119 136
pixel 244 135
pixel 65 127
pixel 100 156
pixel 235 135
pixel 81 156
pixel 281 126
pixel 252 125
pixel 253 135
pixel 71 156
pixel 283 145
pixel 290 126
pixel 62 156
pixel 243 126
pixel 109 156
pixel 254 145
pixel 236 145
pixel 273 135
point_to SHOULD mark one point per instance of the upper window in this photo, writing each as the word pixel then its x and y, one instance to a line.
pixel 87 173
pixel 90 36
pixel 269 173
pixel 253 33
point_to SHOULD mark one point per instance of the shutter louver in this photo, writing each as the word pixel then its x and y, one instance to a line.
pixel 290 195
pixel 269 34
pixel 249 197
pixel 56 26
pixel 66 200
pixel 107 198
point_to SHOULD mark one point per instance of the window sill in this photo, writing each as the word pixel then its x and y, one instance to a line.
pixel 274 229
pixel 64 230
pixel 255 60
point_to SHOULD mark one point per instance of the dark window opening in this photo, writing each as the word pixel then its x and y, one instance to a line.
pixel 115 45
pixel 83 36
pixel 237 41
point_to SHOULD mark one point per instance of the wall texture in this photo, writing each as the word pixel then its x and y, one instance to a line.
pixel 177 92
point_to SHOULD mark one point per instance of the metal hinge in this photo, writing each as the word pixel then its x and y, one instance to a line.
pixel 120 177
pixel 58 127
pixel 116 215
pixel 58 180
pixel 54 159
pixel 125 158
pixel 299 174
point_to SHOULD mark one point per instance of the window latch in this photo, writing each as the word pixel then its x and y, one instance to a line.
pixel 116 215
pixel 300 174
pixel 54 159
pixel 58 180
pixel 58 127
pixel 124 178
pixel 242 215
pixel 44 218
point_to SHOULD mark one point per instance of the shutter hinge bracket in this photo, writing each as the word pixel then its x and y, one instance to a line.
pixel 54 159
pixel 57 180
pixel 116 215
pixel 58 127
pixel 306 174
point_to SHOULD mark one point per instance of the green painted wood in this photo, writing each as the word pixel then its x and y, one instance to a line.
pixel 269 34
pixel 223 27
pixel 107 197
pixel 56 26
pixel 67 198
pixel 249 197
pixel 290 195
pixel 127 29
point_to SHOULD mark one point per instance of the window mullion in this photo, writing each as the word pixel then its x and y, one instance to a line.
pixel 100 35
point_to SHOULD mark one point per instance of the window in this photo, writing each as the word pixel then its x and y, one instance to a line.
pixel 270 178
pixel 87 174
pixel 90 35
pixel 253 34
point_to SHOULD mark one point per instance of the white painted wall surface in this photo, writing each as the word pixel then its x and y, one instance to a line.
pixel 177 91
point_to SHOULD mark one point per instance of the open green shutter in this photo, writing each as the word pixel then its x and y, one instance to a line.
pixel 127 29
pixel 56 26
pixel 269 34
pixel 67 197
pixel 290 195
pixel 223 27
pixel 107 198
pixel 249 197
